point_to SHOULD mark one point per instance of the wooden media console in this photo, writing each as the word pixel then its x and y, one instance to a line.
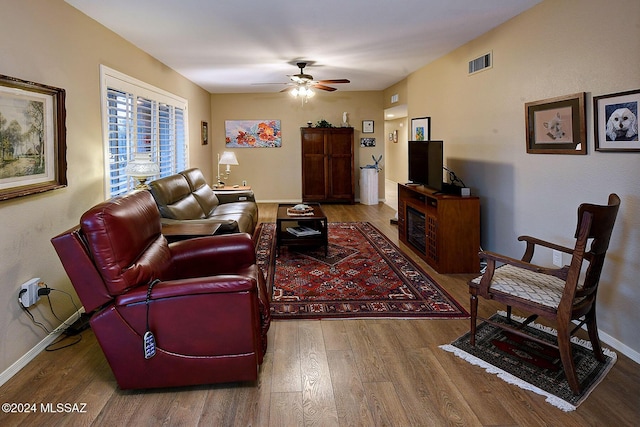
pixel 442 229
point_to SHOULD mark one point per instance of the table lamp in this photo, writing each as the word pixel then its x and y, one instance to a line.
pixel 141 168
pixel 228 158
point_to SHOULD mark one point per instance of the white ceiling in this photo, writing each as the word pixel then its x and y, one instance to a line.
pixel 231 46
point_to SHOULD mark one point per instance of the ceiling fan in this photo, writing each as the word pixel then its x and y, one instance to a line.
pixel 301 83
pixel 302 79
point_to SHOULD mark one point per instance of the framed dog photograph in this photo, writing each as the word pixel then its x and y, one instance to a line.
pixel 556 125
pixel 616 121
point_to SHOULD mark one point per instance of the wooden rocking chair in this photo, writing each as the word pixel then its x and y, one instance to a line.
pixel 554 294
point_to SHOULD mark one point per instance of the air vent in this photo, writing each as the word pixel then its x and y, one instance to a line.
pixel 481 63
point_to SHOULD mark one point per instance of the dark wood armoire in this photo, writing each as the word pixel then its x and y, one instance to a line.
pixel 327 165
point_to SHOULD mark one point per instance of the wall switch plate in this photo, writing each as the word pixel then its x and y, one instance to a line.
pixel 557 258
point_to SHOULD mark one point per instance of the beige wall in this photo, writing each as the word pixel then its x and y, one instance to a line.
pixel 557 48
pixel 399 89
pixel 275 173
pixel 396 153
pixel 52 43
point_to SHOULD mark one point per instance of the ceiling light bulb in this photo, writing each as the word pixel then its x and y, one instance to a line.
pixel 310 93
pixel 294 92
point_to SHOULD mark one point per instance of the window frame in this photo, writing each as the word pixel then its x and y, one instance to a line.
pixel 112 80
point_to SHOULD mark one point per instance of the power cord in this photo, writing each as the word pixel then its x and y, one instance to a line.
pixel 453 178
pixel 26 310
pixel 66 334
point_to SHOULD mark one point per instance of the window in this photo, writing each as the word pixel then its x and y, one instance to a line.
pixel 140 118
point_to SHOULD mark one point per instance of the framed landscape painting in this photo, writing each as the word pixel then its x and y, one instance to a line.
pixel 32 138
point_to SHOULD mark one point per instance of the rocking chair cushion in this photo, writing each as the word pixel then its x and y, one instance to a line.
pixel 528 285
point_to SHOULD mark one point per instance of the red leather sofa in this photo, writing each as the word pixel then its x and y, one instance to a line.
pixel 209 308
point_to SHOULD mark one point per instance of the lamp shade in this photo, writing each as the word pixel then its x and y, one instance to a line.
pixel 228 158
pixel 142 166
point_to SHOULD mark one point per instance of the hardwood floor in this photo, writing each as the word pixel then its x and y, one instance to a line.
pixel 324 373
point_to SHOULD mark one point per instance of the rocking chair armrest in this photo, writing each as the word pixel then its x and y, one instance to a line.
pixel 532 241
pixel 504 259
pixel 492 258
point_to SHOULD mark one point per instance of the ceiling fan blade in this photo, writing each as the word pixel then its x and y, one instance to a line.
pixel 334 81
pixel 323 87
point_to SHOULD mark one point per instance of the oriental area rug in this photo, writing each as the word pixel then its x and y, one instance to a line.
pixel 363 274
pixel 532 366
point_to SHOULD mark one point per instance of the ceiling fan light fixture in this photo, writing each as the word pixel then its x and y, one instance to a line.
pixel 303 92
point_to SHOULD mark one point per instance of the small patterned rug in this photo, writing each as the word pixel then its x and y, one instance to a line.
pixel 363 275
pixel 530 365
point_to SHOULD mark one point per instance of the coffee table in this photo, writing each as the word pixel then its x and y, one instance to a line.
pixel 317 221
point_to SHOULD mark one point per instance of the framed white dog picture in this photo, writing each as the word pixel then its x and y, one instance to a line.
pixel 616 121
pixel 556 125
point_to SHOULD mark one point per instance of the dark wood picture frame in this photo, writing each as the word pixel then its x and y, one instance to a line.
pixel 367 126
pixel 34 149
pixel 615 121
pixel 420 129
pixel 204 132
pixel 556 125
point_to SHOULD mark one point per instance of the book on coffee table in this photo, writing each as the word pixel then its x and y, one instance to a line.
pixel 302 231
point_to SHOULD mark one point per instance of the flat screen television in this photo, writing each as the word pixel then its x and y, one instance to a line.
pixel 425 163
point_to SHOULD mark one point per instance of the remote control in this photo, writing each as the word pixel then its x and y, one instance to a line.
pixel 149 345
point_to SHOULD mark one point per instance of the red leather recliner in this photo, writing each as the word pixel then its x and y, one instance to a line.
pixel 209 309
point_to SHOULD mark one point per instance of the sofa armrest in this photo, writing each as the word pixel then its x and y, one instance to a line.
pixel 235 196
pixel 226 225
pixel 204 256
pixel 227 283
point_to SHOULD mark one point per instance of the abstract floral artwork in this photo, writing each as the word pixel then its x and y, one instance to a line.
pixel 252 133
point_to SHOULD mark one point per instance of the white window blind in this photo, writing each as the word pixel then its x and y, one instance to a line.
pixel 139 118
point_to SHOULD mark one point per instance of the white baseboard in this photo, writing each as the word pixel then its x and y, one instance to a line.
pixel 615 344
pixel 619 346
pixel 8 373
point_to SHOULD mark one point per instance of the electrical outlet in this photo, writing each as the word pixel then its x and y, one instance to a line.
pixel 31 296
pixel 557 258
